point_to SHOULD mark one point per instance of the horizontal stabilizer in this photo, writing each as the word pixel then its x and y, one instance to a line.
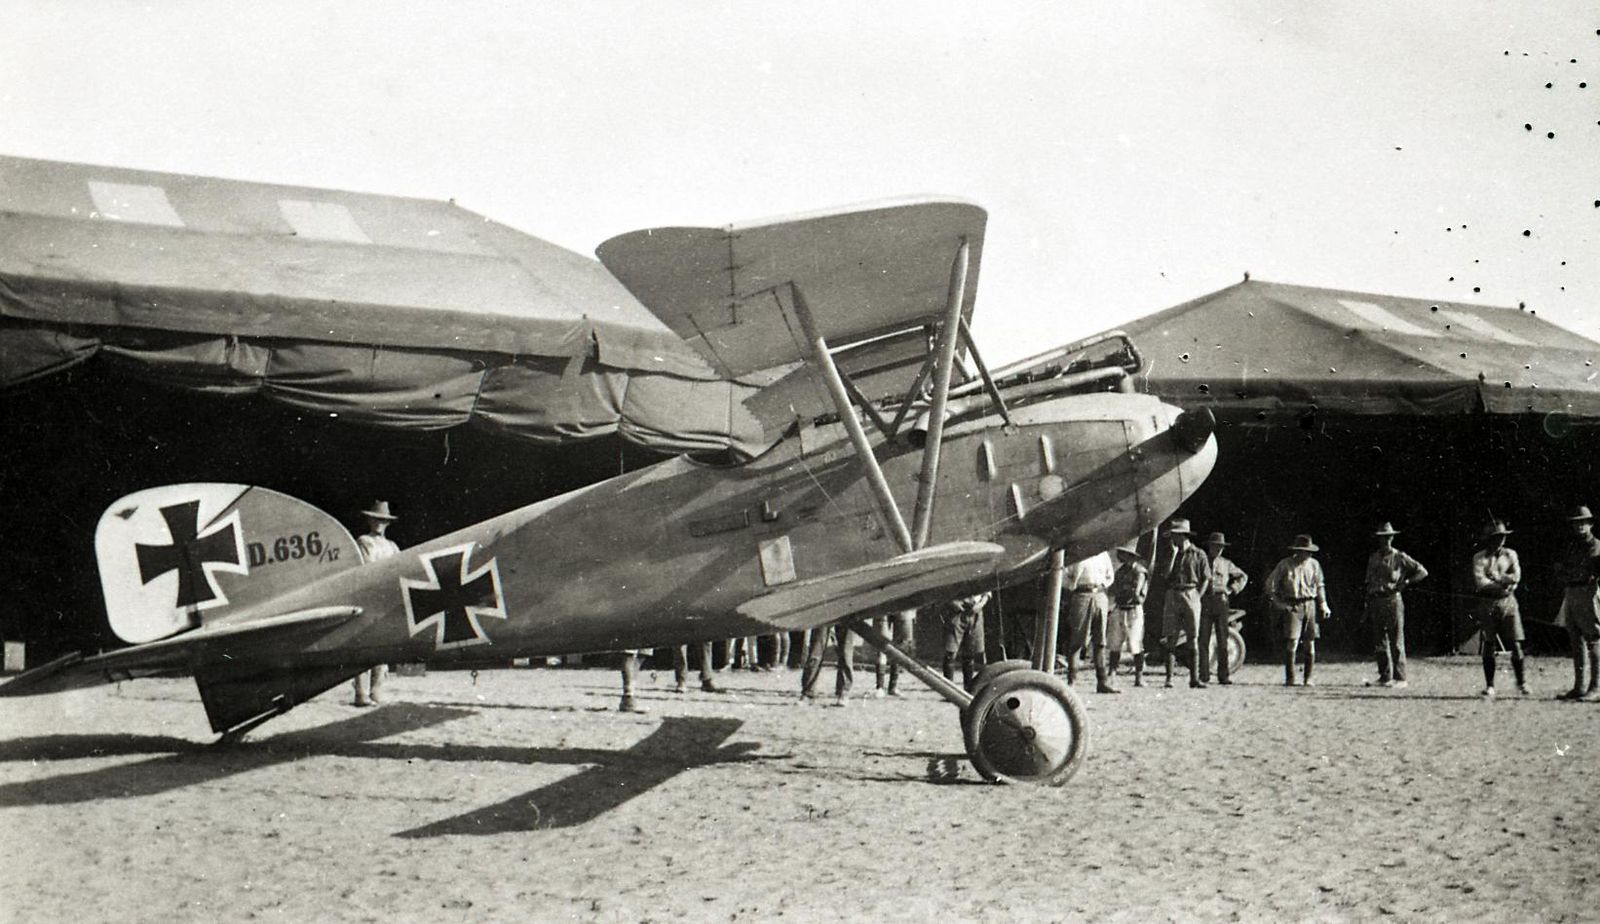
pixel 871 588
pixel 171 655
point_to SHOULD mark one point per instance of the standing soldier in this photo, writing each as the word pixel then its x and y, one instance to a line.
pixel 962 619
pixel 1188 576
pixel 1227 580
pixel 1496 572
pixel 904 625
pixel 1390 571
pixel 630 677
pixel 1126 626
pixel 1298 591
pixel 374 546
pixel 1580 604
pixel 1087 609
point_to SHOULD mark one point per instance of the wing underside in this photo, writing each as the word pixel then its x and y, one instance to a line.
pixel 875 587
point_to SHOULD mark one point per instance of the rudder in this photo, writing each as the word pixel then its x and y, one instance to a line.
pixel 174 557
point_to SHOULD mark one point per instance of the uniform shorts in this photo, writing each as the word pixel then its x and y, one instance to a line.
pixel 1498 618
pixel 1125 630
pixel 1580 611
pixel 1299 621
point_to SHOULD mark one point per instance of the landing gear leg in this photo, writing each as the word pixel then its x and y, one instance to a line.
pixel 1020 726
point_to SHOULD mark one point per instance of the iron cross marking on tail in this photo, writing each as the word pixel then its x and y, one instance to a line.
pixel 453 599
pixel 189 554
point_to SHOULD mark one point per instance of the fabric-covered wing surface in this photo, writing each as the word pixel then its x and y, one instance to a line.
pixel 394 311
pixel 874 277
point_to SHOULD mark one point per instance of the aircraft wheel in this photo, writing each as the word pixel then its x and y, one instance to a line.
pixel 986 677
pixel 1236 650
pixel 991 671
pixel 1026 726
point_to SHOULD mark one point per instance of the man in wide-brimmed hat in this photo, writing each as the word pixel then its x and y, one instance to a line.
pixel 1496 572
pixel 1125 628
pixel 1578 571
pixel 1227 580
pixel 1188 575
pixel 1299 592
pixel 1389 571
pixel 375 545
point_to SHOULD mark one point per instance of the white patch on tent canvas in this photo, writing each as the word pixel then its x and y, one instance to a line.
pixel 145 205
pixel 1480 325
pixel 1380 318
pixel 322 221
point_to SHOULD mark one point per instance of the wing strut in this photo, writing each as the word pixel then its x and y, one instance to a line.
pixel 847 416
pixel 983 371
pixel 946 350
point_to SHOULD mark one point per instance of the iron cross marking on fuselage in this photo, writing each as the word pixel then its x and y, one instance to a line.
pixel 189 553
pixel 453 600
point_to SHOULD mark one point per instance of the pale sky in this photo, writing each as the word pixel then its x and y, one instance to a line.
pixel 1131 155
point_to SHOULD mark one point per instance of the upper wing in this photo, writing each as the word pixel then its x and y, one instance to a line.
pixel 871 588
pixel 865 272
pixel 179 654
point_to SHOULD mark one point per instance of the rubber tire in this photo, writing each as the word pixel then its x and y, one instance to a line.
pixel 987 676
pixel 1236 651
pixel 995 669
pixel 988 734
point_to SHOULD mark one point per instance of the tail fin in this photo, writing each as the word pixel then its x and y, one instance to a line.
pixel 174 557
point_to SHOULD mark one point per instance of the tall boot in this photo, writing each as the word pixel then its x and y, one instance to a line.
pixel 1102 681
pixel 1170 658
pixel 1518 671
pixel 1138 669
pixel 1193 648
pixel 949 666
pixel 1591 649
pixel 1288 666
pixel 1311 661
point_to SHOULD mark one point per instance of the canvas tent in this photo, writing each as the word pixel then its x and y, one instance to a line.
pixel 382 310
pixel 1338 410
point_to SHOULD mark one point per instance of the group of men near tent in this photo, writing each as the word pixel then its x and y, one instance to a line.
pixel 1200 586
pixel 1105 615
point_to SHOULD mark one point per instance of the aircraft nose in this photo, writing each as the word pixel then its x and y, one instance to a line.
pixel 1193 431
pixel 1192 428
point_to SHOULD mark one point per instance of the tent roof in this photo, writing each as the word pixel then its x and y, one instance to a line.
pixel 1261 345
pixel 111 246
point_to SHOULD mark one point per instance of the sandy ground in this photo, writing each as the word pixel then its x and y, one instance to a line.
pixel 522 794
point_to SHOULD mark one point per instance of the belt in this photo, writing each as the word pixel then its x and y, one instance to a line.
pixel 1301 599
pixel 1383 593
pixel 1184 586
pixel 1088 590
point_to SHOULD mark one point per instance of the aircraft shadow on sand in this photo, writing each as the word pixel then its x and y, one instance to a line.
pixel 617 776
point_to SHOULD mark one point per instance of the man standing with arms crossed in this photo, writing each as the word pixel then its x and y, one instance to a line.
pixel 1496 572
pixel 1389 571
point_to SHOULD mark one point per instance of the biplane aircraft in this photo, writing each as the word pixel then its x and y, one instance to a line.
pixel 956 483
